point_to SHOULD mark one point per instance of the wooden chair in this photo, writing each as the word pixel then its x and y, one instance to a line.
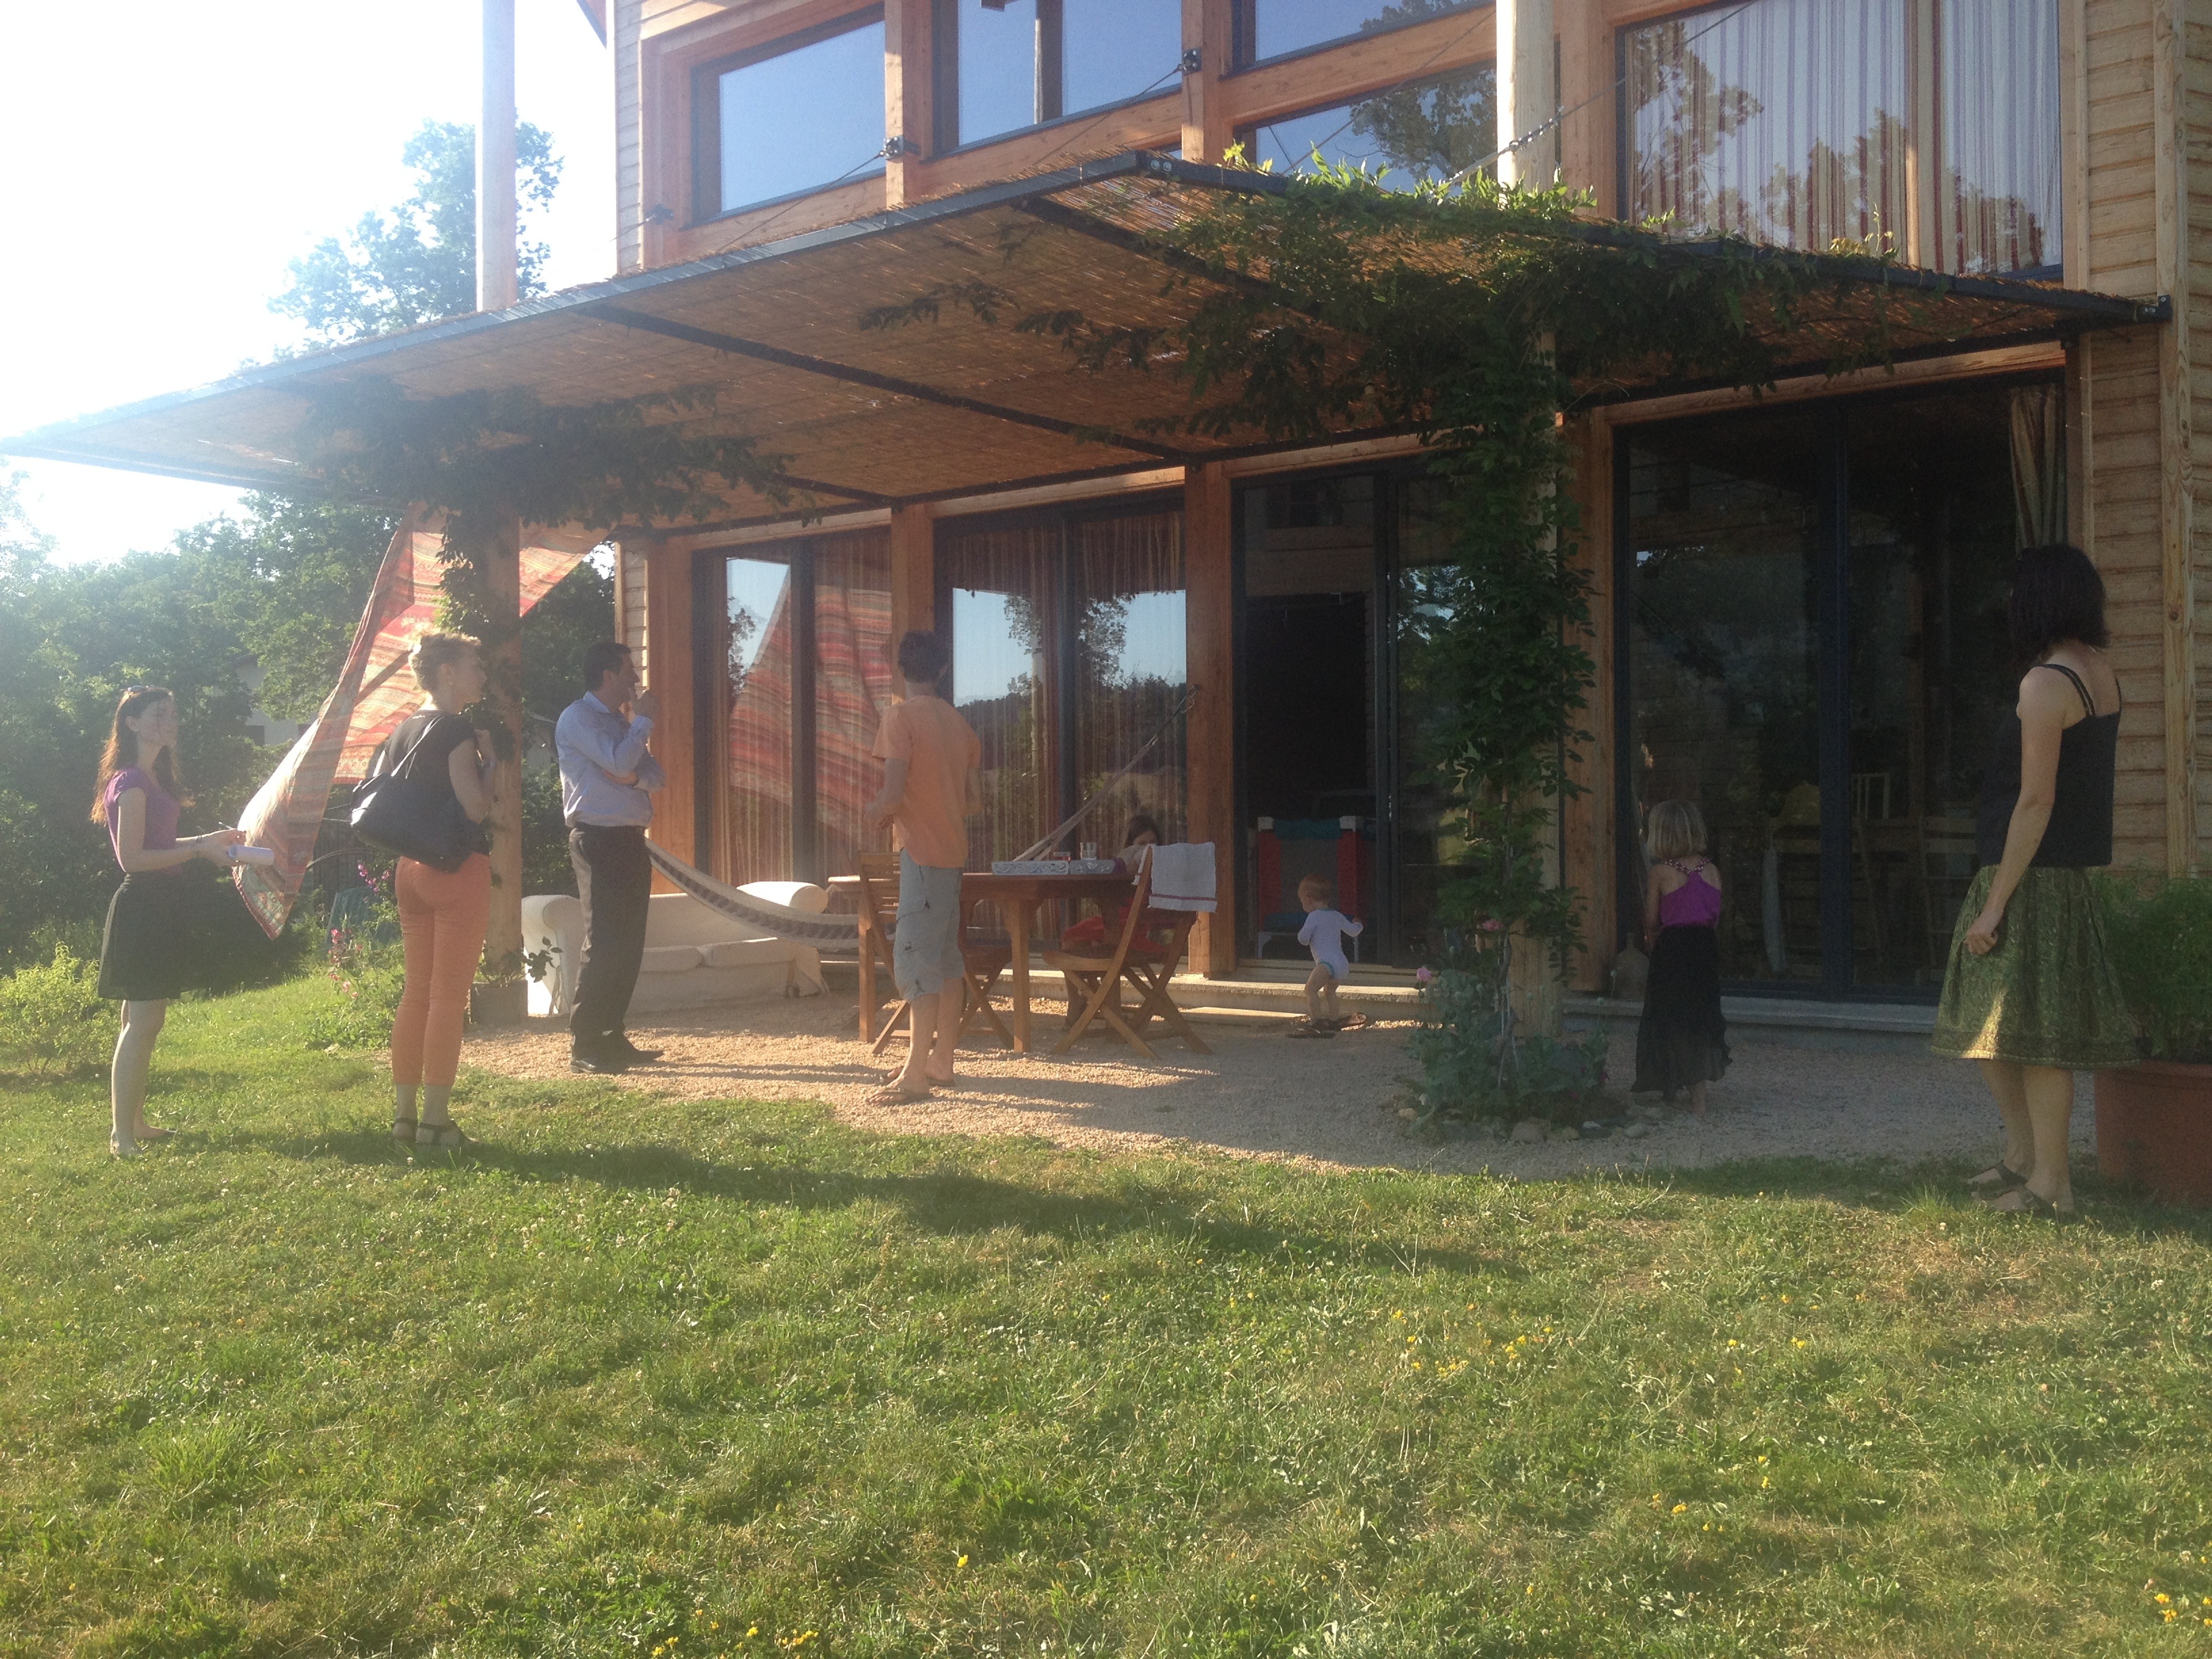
pixel 982 961
pixel 1096 977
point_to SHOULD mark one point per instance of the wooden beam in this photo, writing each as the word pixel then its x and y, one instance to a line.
pixel 668 627
pixel 908 96
pixel 1367 63
pixel 1528 95
pixel 1210 732
pixel 502 949
pixel 1587 132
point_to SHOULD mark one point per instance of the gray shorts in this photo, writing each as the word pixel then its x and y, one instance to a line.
pixel 926 940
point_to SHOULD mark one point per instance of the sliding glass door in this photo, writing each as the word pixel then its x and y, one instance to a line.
pixel 1810 646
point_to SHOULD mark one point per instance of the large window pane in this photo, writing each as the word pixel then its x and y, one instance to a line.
pixel 1997 178
pixel 1004 586
pixel 1724 648
pixel 798 119
pixel 852 688
pixel 755 811
pixel 1130 671
pixel 1793 121
pixel 1270 28
pixel 1783 121
pixel 1024 62
pixel 1431 129
pixel 1932 534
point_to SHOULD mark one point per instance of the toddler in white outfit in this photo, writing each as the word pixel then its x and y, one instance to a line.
pixel 1325 931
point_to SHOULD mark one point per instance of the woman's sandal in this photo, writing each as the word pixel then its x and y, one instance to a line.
pixel 1999 1178
pixel 446 1136
pixel 403 1131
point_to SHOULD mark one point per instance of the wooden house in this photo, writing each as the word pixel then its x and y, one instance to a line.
pixel 1797 596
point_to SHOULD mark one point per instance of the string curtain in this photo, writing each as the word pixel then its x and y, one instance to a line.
pixel 1925 128
pixel 1005 604
pixel 755 806
pixel 852 688
pixel 2039 465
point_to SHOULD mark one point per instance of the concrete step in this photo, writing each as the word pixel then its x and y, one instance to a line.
pixel 1266 989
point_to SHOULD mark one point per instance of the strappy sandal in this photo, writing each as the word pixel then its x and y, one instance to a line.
pixel 403 1131
pixel 1309 1027
pixel 1999 1178
pixel 446 1136
pixel 2031 1203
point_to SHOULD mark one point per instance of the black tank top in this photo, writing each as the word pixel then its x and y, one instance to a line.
pixel 2079 834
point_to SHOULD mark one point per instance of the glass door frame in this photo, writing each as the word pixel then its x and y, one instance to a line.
pixel 1064 788
pixel 1390 478
pixel 1832 572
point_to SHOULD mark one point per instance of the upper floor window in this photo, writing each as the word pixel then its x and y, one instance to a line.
pixel 1276 28
pixel 1427 130
pixel 791 117
pixel 1929 128
pixel 1006 64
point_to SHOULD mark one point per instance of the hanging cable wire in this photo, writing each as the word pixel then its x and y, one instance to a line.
pixel 752 231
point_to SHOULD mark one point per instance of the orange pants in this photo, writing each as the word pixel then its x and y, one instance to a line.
pixel 441 923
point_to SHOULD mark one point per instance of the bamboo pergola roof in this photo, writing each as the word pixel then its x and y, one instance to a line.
pixel 951 407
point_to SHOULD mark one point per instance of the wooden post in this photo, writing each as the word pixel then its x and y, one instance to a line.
pixel 501 1001
pixel 1587 854
pixel 1527 96
pixel 1207 30
pixel 1586 73
pixel 496 265
pixel 914 571
pixel 909 119
pixel 1210 730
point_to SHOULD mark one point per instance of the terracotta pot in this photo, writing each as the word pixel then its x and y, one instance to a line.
pixel 2154 1126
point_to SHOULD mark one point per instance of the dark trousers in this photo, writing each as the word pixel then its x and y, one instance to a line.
pixel 614 878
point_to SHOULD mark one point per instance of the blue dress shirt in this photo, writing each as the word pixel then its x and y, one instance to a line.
pixel 596 746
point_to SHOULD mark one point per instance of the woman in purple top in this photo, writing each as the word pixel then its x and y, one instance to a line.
pixel 1682 1041
pixel 144 952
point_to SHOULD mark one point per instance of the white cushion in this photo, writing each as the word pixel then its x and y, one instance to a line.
pixel 669 958
pixel 746 953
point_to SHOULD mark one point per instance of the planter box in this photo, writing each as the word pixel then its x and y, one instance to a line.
pixel 2154 1126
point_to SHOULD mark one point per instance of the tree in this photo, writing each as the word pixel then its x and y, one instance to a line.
pixel 419 264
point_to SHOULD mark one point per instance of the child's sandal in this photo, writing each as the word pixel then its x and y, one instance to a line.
pixel 1310 1028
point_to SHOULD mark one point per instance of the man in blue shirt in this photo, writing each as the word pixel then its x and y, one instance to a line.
pixel 607 777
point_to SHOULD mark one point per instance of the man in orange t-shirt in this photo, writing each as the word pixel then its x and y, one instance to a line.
pixel 930 755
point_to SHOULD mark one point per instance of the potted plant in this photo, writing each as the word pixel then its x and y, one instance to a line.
pixel 2154 1119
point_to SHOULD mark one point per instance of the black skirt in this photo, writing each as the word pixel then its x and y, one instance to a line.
pixel 147 949
pixel 1682 1038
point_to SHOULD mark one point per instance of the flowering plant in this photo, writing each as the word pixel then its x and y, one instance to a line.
pixel 363 966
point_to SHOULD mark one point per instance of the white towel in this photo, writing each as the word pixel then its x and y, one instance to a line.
pixel 1182 876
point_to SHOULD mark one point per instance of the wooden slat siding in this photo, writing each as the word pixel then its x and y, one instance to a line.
pixel 2121 255
pixel 2189 612
pixel 1588 128
pixel 668 623
pixel 2073 142
pixel 1588 852
pixel 625 50
pixel 1361 65
pixel 1210 746
pixel 2176 187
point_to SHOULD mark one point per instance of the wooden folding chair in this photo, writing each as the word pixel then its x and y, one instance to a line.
pixel 1096 977
pixel 982 961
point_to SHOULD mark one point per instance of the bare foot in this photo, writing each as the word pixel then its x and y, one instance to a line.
pixel 146 1132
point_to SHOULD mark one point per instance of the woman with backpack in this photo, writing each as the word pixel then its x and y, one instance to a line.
pixel 442 914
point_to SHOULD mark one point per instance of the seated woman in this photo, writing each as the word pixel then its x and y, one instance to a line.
pixel 1144 831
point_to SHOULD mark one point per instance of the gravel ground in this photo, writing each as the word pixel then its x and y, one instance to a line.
pixel 1259 1095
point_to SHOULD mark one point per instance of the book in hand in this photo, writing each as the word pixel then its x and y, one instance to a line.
pixel 245 853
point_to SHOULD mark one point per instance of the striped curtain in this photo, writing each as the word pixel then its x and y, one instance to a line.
pixel 852 688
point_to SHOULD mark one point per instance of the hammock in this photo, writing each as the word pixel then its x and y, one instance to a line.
pixel 777 920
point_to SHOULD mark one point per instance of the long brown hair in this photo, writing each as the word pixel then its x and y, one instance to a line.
pixel 121 751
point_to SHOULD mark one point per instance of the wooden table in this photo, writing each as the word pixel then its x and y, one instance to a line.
pixel 1018 898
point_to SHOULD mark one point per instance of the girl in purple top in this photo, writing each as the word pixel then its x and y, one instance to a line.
pixel 145 952
pixel 1681 1041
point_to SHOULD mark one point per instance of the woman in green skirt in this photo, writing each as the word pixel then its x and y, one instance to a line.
pixel 2029 991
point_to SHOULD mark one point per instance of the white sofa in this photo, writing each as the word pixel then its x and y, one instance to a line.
pixel 695 957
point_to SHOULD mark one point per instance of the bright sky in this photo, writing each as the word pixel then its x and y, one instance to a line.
pixel 166 162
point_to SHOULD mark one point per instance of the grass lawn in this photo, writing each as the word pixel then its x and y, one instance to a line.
pixel 672 1380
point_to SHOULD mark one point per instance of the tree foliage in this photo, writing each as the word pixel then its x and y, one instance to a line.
pixel 419 263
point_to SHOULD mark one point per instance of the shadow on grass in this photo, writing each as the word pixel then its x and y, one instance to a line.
pixel 949 1201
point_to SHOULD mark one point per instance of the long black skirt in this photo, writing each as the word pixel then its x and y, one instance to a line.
pixel 1682 1038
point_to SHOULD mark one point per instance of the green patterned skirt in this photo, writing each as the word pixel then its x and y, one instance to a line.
pixel 2047 995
